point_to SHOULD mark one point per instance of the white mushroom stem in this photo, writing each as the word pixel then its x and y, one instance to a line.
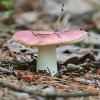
pixel 47 58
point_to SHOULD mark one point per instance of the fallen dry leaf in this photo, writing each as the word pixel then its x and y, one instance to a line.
pixel 29 78
pixel 91 89
pixel 1 43
pixel 98 71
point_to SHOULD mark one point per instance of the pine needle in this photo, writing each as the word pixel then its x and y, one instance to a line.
pixel 58 20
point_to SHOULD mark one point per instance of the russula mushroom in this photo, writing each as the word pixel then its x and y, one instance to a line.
pixel 46 42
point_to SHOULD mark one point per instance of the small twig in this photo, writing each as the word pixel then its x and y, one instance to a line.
pixel 3 70
pixel 49 71
pixel 87 27
pixel 34 33
pixel 68 26
pixel 58 20
pixel 92 35
pixel 45 95
pixel 57 34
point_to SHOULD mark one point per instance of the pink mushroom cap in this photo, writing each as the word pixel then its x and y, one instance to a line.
pixel 43 38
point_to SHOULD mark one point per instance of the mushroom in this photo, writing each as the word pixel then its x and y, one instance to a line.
pixel 46 42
